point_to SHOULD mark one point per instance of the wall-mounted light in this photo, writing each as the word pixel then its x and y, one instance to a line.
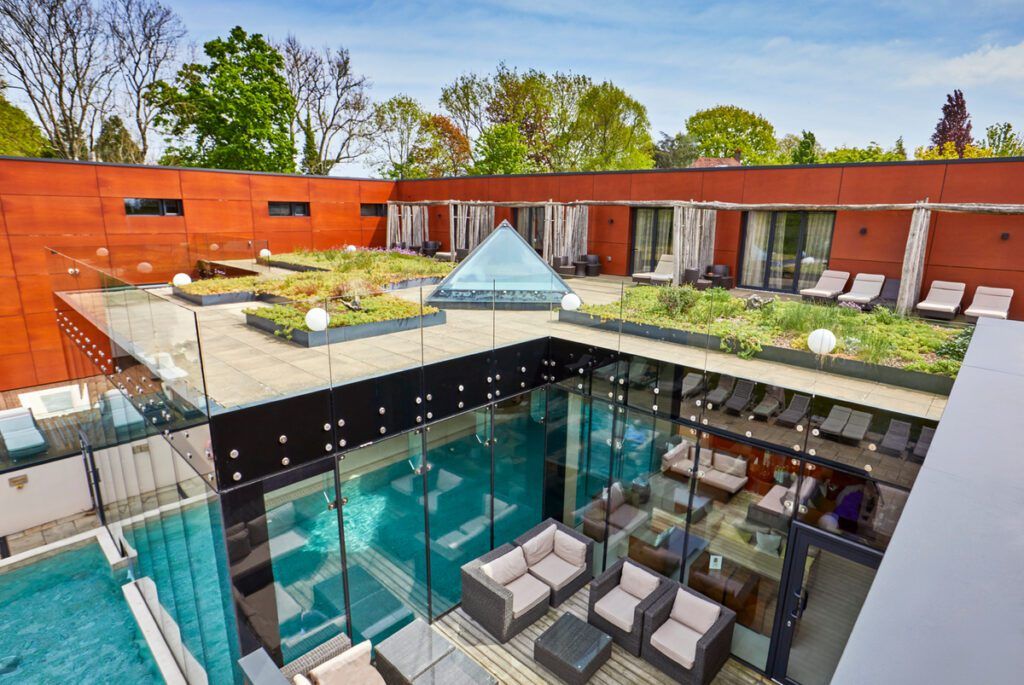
pixel 1004 236
pixel 611 221
pixel 863 230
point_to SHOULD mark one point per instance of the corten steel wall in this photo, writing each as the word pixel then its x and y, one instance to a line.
pixel 79 206
pixel 961 247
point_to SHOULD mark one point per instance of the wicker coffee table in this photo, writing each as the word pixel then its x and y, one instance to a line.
pixel 572 649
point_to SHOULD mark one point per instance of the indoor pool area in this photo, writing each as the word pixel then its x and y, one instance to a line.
pixel 66 614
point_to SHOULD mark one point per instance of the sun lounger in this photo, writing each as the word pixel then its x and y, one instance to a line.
pixel 990 302
pixel 795 412
pixel 857 426
pixel 890 293
pixel 829 286
pixel 835 423
pixel 924 441
pixel 21 434
pixel 866 287
pixel 661 275
pixel 943 301
pixel 770 404
pixel 895 440
pixel 741 397
pixel 693 383
pixel 721 392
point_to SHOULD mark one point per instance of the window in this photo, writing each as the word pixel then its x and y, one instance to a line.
pixel 652 237
pixel 146 206
pixel 288 208
pixel 373 209
pixel 785 251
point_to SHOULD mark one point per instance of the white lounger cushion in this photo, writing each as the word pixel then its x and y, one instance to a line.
pixel 866 287
pixel 992 302
pixel 829 285
pixel 662 272
pixel 676 641
pixel 617 607
pixel 527 592
pixel 944 296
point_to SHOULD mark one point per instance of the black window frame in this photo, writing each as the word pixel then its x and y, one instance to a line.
pixel 291 208
pixel 373 209
pixel 163 206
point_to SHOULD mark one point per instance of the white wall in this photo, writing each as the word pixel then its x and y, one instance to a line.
pixel 53 491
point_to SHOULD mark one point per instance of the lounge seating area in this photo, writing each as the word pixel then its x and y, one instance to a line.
pixel 830 285
pixel 20 434
pixel 662 274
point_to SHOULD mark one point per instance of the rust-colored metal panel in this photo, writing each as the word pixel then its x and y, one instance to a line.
pixel 50 366
pixel 667 185
pixel 6 260
pixel 266 188
pixel 52 215
pixel 116 221
pixel 35 293
pixel 885 240
pixel 16 371
pixel 875 184
pixel 218 216
pixel 609 224
pixel 724 185
pixel 43 333
pixel 119 182
pixel 214 185
pixel 619 264
pixel 376 191
pixel 572 188
pixel 810 185
pixel 327 239
pixel 22 177
pixel 335 216
pixel 983 182
pixel 333 190
pixel 15 337
pixel 612 186
pixel 286 241
pixel 10 301
pixel 975 241
pixel 727 230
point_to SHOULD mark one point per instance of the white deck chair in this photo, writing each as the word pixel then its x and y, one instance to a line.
pixel 990 302
pixel 662 273
pixel 943 301
pixel 828 287
pixel 866 287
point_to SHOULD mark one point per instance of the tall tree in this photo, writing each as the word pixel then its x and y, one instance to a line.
pixel 57 53
pixel 873 152
pixel 524 100
pixel 1004 141
pixel 612 131
pixel 955 125
pixel 145 38
pixel 806 150
pixel 674 152
pixel 332 99
pixel 443 149
pixel 465 102
pixel 502 150
pixel 724 130
pixel 234 112
pixel 19 135
pixel 115 143
pixel 399 123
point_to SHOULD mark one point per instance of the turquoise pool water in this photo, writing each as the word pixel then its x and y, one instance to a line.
pixel 65 620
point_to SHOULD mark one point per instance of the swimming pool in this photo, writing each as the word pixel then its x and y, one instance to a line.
pixel 64 619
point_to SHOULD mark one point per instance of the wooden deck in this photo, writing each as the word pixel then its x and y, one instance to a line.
pixel 513 662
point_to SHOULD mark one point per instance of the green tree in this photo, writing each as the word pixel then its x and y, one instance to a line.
pixel 311 162
pixel 674 152
pixel 612 131
pixel 725 130
pixel 19 136
pixel 115 143
pixel 806 150
pixel 231 113
pixel 442 149
pixel 873 152
pixel 1004 141
pixel 501 150
pixel 399 124
pixel 948 150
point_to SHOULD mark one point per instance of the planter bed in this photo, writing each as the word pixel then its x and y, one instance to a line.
pixel 412 283
pixel 226 298
pixel 345 333
pixel 291 266
pixel 914 380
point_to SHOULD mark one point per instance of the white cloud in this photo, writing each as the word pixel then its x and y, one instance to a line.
pixel 987 65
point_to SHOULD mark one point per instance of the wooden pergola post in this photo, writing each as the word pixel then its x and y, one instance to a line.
pixel 913 260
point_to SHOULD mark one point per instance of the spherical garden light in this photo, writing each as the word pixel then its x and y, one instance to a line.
pixel 821 341
pixel 571 302
pixel 317 319
pixel 265 253
pixel 180 280
pixel 102 252
pixel 350 248
pixel 144 267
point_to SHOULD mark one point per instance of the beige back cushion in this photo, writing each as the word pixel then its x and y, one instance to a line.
pixel 946 292
pixel 618 497
pixel 507 567
pixel 636 581
pixel 540 545
pixel 997 299
pixel 690 610
pixel 867 283
pixel 734 466
pixel 334 671
pixel 665 265
pixel 570 549
pixel 833 280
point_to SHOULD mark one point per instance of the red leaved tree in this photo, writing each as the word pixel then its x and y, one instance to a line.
pixel 955 124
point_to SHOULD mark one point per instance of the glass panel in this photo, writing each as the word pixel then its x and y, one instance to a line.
pixel 817 247
pixel 757 233
pixel 643 239
pixel 141 205
pixel 567 450
pixel 785 250
pixel 834 589
pixel 458 501
pixel 385 542
pixel 738 533
pixel 518 445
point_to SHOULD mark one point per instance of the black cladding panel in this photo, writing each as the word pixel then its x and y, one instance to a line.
pixel 457 385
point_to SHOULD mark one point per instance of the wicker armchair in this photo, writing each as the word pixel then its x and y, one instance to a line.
pixel 490 604
pixel 712 650
pixel 561 594
pixel 605 583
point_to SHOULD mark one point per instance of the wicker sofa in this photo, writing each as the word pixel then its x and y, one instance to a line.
pixel 620 596
pixel 687 636
pixel 500 594
pixel 336 662
pixel 621 517
pixel 559 556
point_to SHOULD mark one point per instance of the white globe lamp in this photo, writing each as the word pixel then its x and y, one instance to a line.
pixel 821 341
pixel 265 253
pixel 102 252
pixel 180 280
pixel 214 247
pixel 144 267
pixel 317 319
pixel 350 248
pixel 571 302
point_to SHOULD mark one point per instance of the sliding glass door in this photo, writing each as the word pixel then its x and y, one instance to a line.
pixel 785 251
pixel 652 237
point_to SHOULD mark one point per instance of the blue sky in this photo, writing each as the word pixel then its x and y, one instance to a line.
pixel 851 71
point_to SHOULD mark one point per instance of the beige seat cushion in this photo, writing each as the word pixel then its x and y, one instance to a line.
pixel 570 549
pixel 637 582
pixel 617 607
pixel 734 466
pixel 507 567
pixel 674 454
pixel 627 517
pixel 676 641
pixel 991 313
pixel 773 500
pixel 351 667
pixel 683 467
pixel 819 292
pixel 936 307
pixel 555 571
pixel 694 612
pixel 540 545
pixel 527 592
pixel 299 679
pixel 724 481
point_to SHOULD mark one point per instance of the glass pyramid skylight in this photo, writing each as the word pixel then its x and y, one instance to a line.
pixel 503 271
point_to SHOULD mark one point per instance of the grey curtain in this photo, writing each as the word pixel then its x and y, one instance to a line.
pixel 817 248
pixel 755 249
